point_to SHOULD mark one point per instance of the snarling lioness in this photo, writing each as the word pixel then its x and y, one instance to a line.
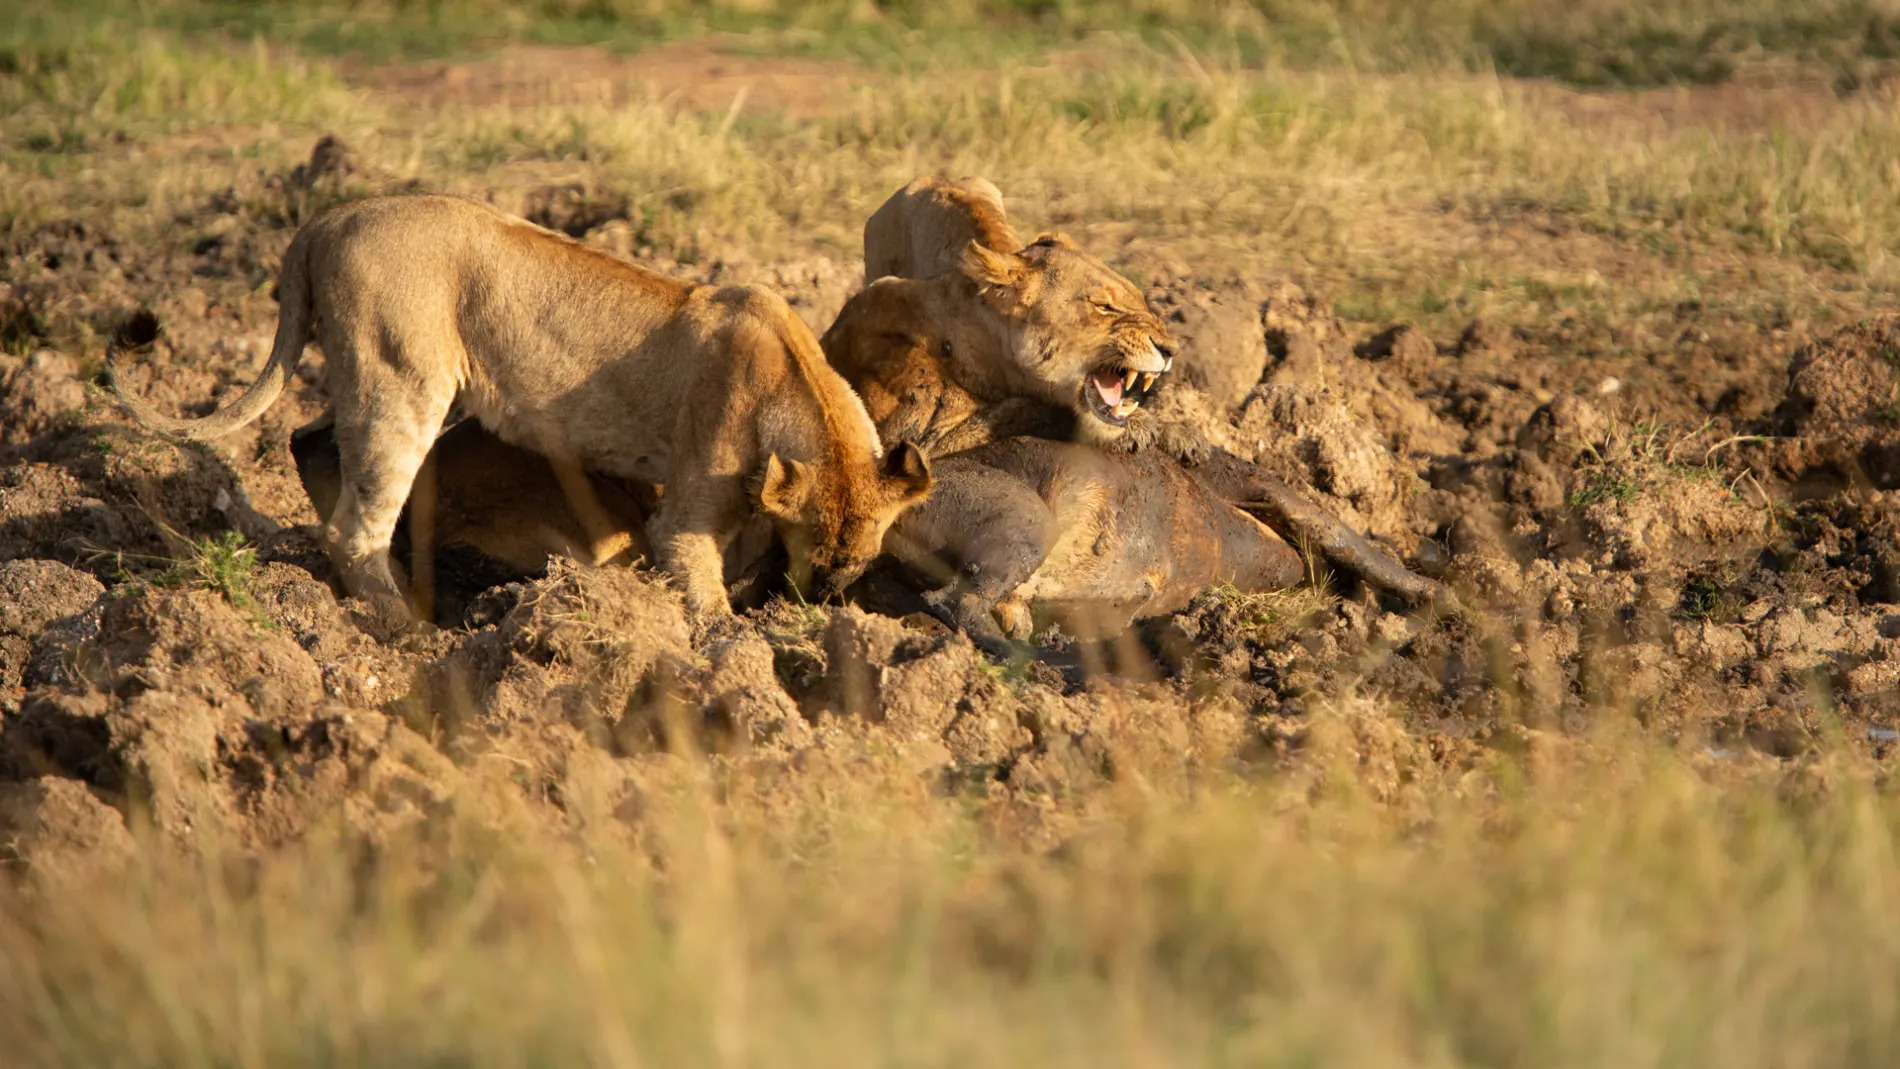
pixel 1044 340
pixel 425 303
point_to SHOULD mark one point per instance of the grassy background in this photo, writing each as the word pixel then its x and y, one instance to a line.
pixel 1609 903
pixel 1383 150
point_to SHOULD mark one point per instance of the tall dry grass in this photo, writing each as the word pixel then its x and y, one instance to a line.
pixel 1609 903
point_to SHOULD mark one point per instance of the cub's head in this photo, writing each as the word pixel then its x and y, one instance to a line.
pixel 833 520
pixel 1081 336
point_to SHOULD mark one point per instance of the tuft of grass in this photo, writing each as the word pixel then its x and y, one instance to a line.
pixel 1603 484
pixel 1272 617
pixel 1707 597
pixel 224 563
pixel 1640 459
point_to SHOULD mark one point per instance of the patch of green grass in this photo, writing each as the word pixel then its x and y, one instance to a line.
pixel 1643 458
pixel 226 564
pixel 1272 617
pixel 794 629
pixel 1012 672
pixel 1596 43
pixel 1604 484
pixel 1707 597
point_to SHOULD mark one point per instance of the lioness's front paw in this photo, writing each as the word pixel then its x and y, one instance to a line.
pixel 1183 441
pixel 704 602
pixel 1142 432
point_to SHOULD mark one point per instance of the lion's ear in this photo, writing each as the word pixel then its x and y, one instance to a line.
pixel 907 472
pixel 784 487
pixel 990 267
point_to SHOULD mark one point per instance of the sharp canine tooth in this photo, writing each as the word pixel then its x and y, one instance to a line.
pixel 1128 380
pixel 1148 381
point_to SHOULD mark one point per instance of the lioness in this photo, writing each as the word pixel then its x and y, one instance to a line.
pixel 1046 342
pixel 1045 339
pixel 422 303
pixel 1025 530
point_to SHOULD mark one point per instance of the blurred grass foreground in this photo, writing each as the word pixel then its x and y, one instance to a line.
pixel 1618 898
pixel 1605 903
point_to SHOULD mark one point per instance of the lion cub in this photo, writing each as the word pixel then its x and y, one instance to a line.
pixel 426 303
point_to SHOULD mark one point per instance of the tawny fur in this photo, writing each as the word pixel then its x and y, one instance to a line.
pixel 424 303
pixel 966 355
pixel 513 506
pixel 921 231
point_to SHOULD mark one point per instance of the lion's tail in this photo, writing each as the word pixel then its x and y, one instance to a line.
pixel 294 315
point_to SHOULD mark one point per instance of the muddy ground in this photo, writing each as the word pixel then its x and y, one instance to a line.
pixel 1708 544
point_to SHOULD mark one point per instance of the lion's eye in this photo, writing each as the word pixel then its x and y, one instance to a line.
pixel 1107 308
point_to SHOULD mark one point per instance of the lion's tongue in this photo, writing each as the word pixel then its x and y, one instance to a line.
pixel 1109 385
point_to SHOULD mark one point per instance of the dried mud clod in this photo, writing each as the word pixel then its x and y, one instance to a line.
pixel 1223 345
pixel 1842 407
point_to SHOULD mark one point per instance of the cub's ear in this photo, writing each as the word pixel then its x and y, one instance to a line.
pixel 908 471
pixel 990 267
pixel 784 487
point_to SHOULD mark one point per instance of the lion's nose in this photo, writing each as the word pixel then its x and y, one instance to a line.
pixel 832 582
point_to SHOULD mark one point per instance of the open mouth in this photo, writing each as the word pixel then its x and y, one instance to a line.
pixel 1114 393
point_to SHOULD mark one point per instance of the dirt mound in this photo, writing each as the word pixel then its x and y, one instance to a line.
pixel 584 655
pixel 932 691
pixel 1843 403
pixel 1223 345
pixel 45 608
pixel 60 828
pixel 1637 507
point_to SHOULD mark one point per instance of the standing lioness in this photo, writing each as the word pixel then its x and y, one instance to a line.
pixel 722 394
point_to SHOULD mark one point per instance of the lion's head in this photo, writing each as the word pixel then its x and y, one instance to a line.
pixel 833 523
pixel 1081 335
